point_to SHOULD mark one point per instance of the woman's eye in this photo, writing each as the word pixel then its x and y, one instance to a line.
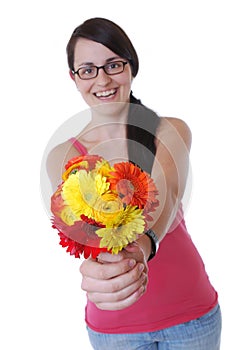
pixel 86 71
pixel 114 65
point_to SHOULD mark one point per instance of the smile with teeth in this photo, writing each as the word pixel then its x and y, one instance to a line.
pixel 106 93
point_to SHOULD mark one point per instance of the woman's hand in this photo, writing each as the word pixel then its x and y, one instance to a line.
pixel 114 282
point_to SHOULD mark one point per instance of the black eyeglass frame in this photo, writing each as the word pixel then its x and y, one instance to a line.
pixel 100 67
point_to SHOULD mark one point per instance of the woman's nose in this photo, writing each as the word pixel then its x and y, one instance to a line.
pixel 102 78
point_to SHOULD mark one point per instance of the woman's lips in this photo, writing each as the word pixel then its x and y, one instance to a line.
pixel 105 94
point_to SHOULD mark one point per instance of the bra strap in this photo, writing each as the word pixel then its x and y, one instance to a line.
pixel 82 149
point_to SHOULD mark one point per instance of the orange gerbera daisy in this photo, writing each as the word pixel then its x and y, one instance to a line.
pixel 87 162
pixel 134 186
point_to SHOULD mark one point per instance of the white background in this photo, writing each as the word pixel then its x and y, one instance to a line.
pixel 186 70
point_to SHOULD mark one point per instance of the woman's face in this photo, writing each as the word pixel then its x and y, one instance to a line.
pixel 103 88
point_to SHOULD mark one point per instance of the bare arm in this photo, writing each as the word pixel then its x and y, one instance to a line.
pixel 170 171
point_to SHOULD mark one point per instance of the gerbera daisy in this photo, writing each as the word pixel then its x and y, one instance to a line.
pixel 133 185
pixel 73 247
pixel 79 238
pixel 103 167
pixel 57 203
pixel 87 162
pixel 77 249
pixel 107 208
pixel 82 190
pixel 125 229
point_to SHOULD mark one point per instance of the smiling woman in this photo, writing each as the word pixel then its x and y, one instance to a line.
pixel 159 299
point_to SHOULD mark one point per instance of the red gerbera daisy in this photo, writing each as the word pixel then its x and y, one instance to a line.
pixel 77 249
pixel 79 238
pixel 74 248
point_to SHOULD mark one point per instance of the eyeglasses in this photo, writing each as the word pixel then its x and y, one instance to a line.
pixel 90 72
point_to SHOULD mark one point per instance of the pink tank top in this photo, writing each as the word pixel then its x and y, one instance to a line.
pixel 178 290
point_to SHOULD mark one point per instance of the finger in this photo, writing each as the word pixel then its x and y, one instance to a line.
pixel 94 269
pixel 90 284
pixel 107 257
pixel 119 295
pixel 119 305
pixel 132 247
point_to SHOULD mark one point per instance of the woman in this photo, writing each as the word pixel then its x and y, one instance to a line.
pixel 144 297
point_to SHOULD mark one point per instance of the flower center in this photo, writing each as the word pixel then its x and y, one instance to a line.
pixel 126 190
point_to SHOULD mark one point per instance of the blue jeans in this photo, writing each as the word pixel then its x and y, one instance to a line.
pixel 200 334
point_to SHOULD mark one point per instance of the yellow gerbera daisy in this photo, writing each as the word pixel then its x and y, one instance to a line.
pixel 126 227
pixel 108 208
pixel 103 167
pixel 82 190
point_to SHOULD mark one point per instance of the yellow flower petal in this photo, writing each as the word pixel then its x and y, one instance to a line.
pixel 101 185
pixel 107 208
pixel 67 216
pixel 130 225
pixel 104 168
pixel 82 190
pixel 66 173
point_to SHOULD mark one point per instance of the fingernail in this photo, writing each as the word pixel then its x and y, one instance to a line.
pixel 132 262
pixel 141 267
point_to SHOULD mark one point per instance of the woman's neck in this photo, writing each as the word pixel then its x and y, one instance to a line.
pixel 108 122
pixel 110 113
pixel 105 130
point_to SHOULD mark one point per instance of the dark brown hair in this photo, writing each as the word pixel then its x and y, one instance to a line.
pixel 142 122
pixel 108 34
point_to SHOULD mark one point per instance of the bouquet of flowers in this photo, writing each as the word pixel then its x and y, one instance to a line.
pixel 99 207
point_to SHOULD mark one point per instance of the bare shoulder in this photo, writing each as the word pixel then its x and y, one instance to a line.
pixel 62 152
pixel 56 160
pixel 174 128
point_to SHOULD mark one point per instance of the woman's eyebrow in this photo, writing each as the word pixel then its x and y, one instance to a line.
pixel 112 59
pixel 86 64
pixel 92 64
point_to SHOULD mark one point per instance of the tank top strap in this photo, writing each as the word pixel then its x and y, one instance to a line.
pixel 82 149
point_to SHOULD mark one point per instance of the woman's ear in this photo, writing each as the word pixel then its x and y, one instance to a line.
pixel 71 75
